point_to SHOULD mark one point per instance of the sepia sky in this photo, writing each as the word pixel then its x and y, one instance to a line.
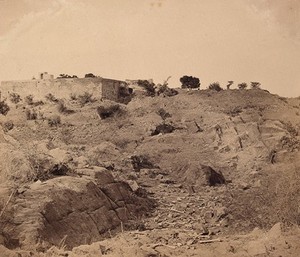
pixel 215 40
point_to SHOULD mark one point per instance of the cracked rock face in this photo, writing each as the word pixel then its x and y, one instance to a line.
pixel 71 211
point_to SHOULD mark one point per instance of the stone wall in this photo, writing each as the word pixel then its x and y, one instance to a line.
pixel 63 88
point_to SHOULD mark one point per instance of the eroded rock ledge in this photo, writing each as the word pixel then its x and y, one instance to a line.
pixel 72 210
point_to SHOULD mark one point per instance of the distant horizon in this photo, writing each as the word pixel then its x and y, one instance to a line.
pixel 214 40
pixel 233 86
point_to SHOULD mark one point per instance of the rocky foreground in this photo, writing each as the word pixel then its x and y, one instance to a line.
pixel 202 173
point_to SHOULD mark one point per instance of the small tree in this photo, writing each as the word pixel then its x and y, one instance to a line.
pixel 242 85
pixel 163 114
pixel 61 107
pixel 149 86
pixel 54 120
pixel 255 85
pixel 90 75
pixel 165 90
pixel 230 82
pixel 64 76
pixel 215 86
pixel 29 99
pixel 30 114
pixel 4 108
pixel 14 98
pixel 85 98
pixel 8 125
pixel 51 98
pixel 190 82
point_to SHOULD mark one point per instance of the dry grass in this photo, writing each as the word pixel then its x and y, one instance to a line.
pixel 287 196
pixel 276 200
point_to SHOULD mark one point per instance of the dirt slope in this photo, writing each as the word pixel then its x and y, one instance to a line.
pixel 224 163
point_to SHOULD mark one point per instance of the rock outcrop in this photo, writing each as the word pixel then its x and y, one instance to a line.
pixel 71 211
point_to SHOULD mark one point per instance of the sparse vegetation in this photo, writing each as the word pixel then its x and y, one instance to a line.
pixel 190 82
pixel 62 108
pixel 215 86
pixel 51 98
pixel 148 86
pixel 250 150
pixel 125 94
pixel 291 129
pixel 54 121
pixel 73 97
pixel 163 129
pixel 230 82
pixel 283 99
pixel 105 112
pixel 242 85
pixel 29 99
pixel 66 76
pixel 165 90
pixel 45 168
pixel 235 111
pixel 142 162
pixel 85 98
pixel 286 197
pixel 90 75
pixel 4 108
pixel 255 85
pixel 30 114
pixel 8 125
pixel 15 98
pixel 163 114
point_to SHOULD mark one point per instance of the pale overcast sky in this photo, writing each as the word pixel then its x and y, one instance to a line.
pixel 215 40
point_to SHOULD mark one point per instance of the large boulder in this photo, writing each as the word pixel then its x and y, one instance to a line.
pixel 71 211
pixel 198 174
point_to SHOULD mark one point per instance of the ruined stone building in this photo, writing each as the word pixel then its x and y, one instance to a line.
pixel 63 87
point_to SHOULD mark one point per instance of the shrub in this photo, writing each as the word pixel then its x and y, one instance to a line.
pixel 8 125
pixel 141 162
pixel 31 114
pixel 29 99
pixel 230 82
pixel 90 75
pixel 235 111
pixel 283 99
pixel 215 86
pixel 255 85
pixel 190 82
pixel 148 86
pixel 73 97
pixel 291 129
pixel 45 169
pixel 14 98
pixel 163 113
pixel 51 98
pixel 163 129
pixel 109 111
pixel 64 76
pixel 85 98
pixel 54 121
pixel 62 108
pixel 125 94
pixel 4 108
pixel 242 85
pixel 165 90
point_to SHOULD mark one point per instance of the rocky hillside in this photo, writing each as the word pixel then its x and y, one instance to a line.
pixel 200 165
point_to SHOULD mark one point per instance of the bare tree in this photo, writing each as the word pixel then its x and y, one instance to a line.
pixel 255 84
pixel 230 82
